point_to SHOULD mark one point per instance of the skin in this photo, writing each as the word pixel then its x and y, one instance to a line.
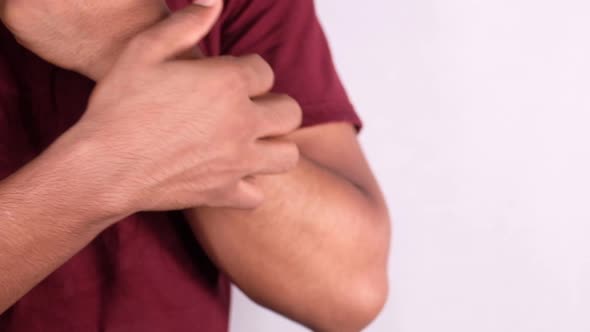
pixel 306 236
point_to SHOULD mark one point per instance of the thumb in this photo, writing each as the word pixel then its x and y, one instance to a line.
pixel 180 32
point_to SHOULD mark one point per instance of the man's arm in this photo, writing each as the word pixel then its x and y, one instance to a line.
pixel 49 210
pixel 316 250
pixel 324 230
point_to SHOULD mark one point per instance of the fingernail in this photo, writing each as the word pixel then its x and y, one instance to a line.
pixel 205 3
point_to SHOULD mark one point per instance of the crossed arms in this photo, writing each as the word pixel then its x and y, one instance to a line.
pixel 312 216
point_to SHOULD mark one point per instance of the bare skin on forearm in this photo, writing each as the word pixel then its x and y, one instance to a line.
pixel 315 251
pixel 47 214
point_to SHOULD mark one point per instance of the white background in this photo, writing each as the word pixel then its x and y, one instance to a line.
pixel 477 124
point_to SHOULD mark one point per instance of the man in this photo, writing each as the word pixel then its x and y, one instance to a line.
pixel 281 201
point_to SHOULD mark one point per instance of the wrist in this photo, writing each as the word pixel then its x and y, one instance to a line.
pixel 66 182
pixel 98 173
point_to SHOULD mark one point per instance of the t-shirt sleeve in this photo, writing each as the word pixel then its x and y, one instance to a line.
pixel 288 35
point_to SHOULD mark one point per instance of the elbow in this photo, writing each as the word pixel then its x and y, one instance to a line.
pixel 361 305
pixel 356 286
pixel 367 304
pixel 362 297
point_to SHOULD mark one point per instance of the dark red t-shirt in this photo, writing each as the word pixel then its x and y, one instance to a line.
pixel 147 273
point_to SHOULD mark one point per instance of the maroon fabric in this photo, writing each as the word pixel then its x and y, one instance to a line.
pixel 147 273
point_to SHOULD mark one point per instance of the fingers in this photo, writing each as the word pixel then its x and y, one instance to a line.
pixel 278 115
pixel 175 35
pixel 268 157
pixel 255 73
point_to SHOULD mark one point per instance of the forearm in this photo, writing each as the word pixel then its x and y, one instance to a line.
pixel 46 216
pixel 308 251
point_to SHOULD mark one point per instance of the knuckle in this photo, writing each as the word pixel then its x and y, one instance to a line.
pixel 291 111
pixel 265 70
pixel 246 74
pixel 297 116
pixel 291 103
pixel 270 76
pixel 262 63
pixel 234 77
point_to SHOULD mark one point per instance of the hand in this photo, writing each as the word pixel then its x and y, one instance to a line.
pixel 173 134
pixel 80 35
